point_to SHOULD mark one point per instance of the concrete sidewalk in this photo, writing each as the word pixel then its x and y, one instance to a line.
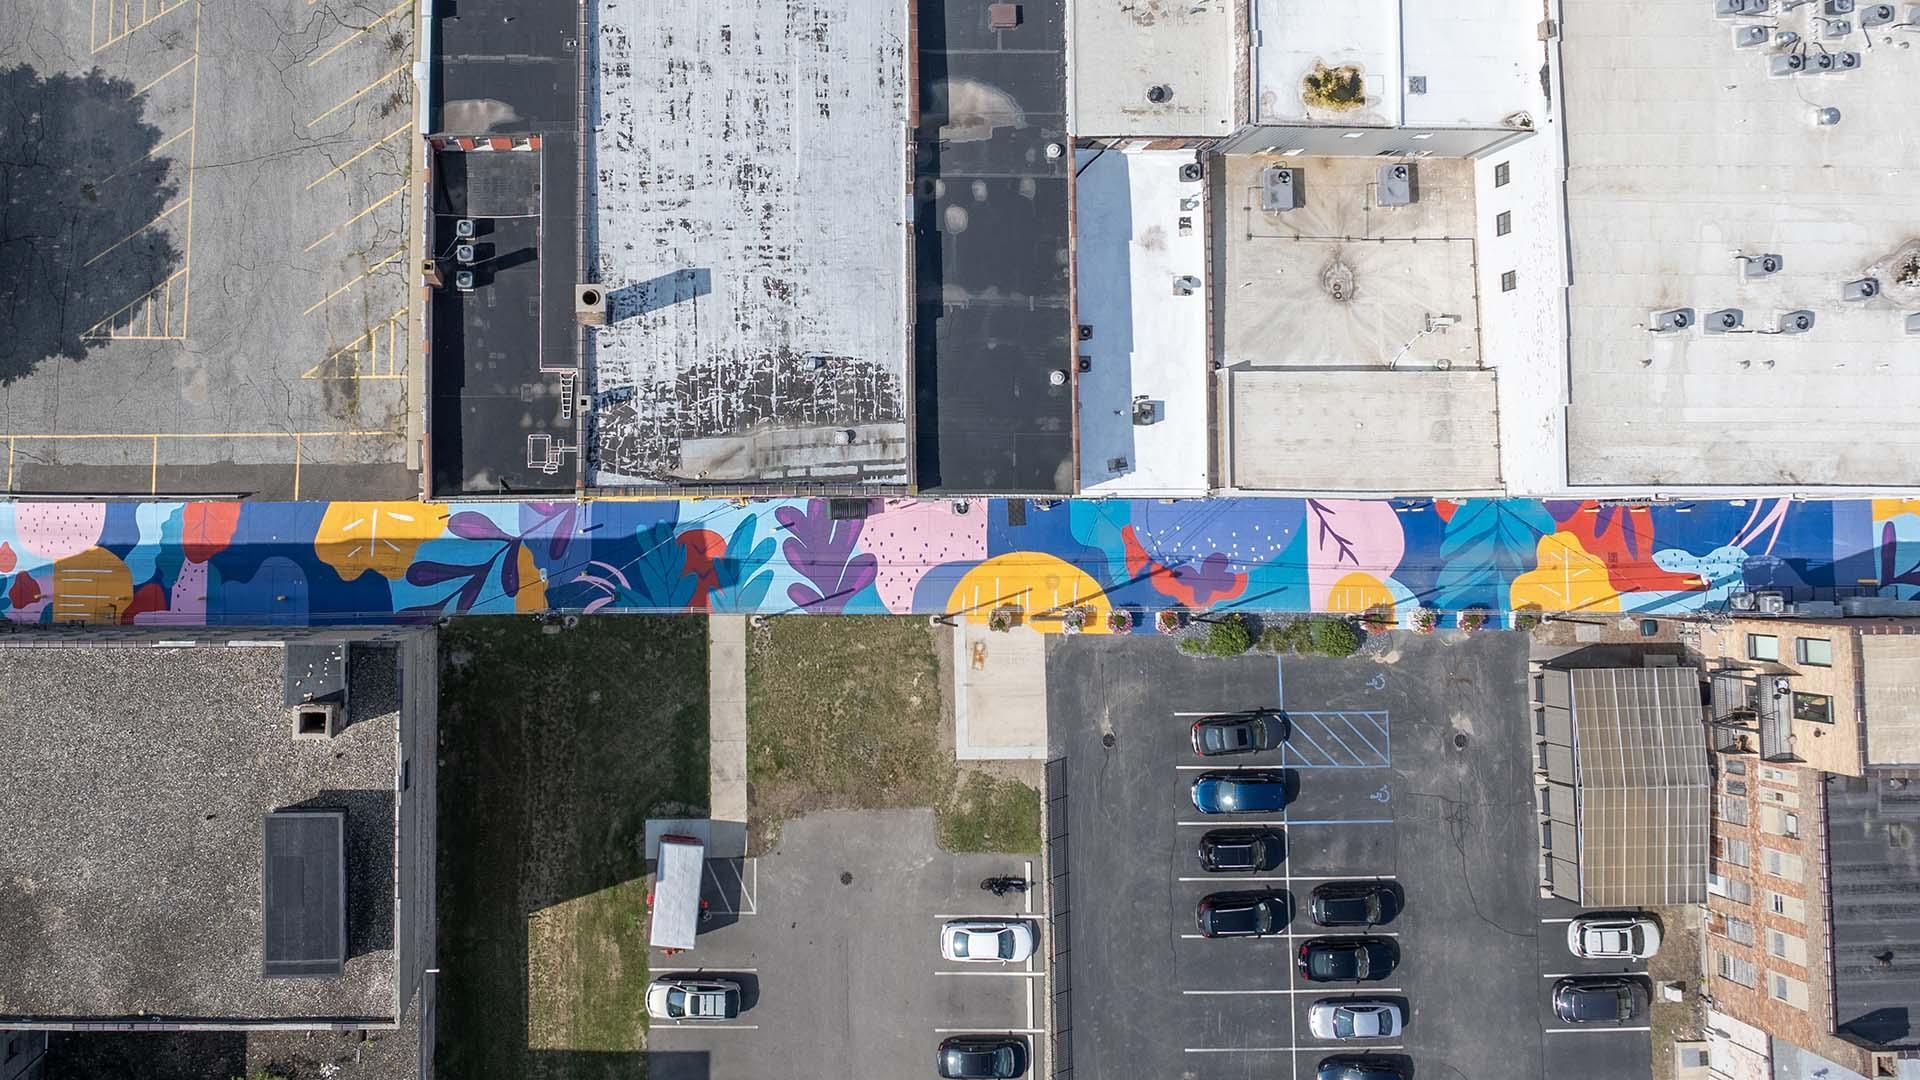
pixel 999 694
pixel 727 729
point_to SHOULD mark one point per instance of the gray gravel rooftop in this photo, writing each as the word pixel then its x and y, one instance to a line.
pixel 133 781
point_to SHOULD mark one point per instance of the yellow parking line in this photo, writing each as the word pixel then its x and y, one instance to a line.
pixel 384 200
pixel 148 156
pixel 375 145
pixel 193 160
pixel 170 71
pixel 357 95
pixel 344 42
pixel 137 231
pixel 397 252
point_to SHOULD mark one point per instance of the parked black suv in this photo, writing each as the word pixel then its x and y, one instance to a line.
pixel 982 1057
pixel 1246 851
pixel 1242 914
pixel 1355 903
pixel 1347 959
pixel 1599 1000
pixel 1239 733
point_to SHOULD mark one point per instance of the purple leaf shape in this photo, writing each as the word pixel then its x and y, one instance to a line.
pixel 822 551
pixel 427 572
pixel 469 525
pixel 1214 576
pixel 555 522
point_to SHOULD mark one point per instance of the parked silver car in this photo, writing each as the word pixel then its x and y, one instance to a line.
pixel 1633 937
pixel 989 941
pixel 1355 1019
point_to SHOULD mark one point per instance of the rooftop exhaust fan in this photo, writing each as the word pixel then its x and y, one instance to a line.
pixel 1671 321
pixel 1759 266
pixel 1726 321
pixel 1796 322
pixel 1864 289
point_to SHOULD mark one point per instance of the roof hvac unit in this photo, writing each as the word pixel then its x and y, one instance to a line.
pixel 1865 288
pixel 1786 64
pixel 1279 189
pixel 463 254
pixel 1399 185
pixel 1726 8
pixel 1672 321
pixel 1877 15
pixel 1913 322
pixel 1145 411
pixel 463 228
pixel 1820 63
pixel 1796 322
pixel 1759 266
pixel 463 280
pixel 1192 172
pixel 1747 37
pixel 1838 7
pixel 1726 321
pixel 1764 602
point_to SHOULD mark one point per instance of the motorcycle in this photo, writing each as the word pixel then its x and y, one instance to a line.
pixel 1001 886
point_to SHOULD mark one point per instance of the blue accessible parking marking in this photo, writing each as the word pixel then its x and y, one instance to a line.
pixel 1338 740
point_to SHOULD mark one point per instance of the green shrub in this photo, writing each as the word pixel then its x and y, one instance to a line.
pixel 1226 636
pixel 1526 619
pixel 1333 637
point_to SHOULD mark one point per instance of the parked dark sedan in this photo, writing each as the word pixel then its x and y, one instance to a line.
pixel 1359 1068
pixel 1354 903
pixel 982 1057
pixel 1247 851
pixel 1253 791
pixel 1239 733
pixel 1599 1000
pixel 1348 959
pixel 1242 914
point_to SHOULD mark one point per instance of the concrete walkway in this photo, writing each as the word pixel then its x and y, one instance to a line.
pixel 999 694
pixel 727 728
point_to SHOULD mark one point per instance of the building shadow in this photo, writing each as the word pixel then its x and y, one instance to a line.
pixel 370 833
pixel 148 1055
pixel 640 298
pixel 82 242
pixel 1105 258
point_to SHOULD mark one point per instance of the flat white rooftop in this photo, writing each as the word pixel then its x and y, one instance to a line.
pixel 1153 67
pixel 1142 267
pixel 1464 63
pixel 1684 153
pixel 1349 331
pixel 749 219
pixel 1362 431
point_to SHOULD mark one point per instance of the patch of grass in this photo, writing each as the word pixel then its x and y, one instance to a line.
pixel 991 813
pixel 1334 88
pixel 1320 635
pixel 555 749
pixel 844 714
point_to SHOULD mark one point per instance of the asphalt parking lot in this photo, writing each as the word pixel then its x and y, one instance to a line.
pixel 834 937
pixel 224 305
pixel 1412 767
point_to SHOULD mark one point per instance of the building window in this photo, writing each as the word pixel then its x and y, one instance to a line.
pixel 1730 851
pixel 1735 766
pixel 1817 708
pixel 1777 902
pixel 1502 173
pixel 1503 223
pixel 1740 892
pixel 1739 930
pixel 1732 811
pixel 1813 651
pixel 1509 281
pixel 1790 824
pixel 1763 647
pixel 1737 787
pixel 1779 988
pixel 1777 943
pixel 1735 969
pixel 1782 865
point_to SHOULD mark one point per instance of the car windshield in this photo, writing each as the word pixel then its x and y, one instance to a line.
pixel 1003 944
pixel 1343 1023
pixel 676 1002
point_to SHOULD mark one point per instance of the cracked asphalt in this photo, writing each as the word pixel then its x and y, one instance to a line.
pixel 252 335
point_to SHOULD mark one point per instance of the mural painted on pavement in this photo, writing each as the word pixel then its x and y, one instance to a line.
pixel 226 563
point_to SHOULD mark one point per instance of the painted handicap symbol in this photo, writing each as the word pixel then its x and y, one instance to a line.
pixel 1383 795
pixel 1378 682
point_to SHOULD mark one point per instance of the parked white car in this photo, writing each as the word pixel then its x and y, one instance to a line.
pixel 987 941
pixel 1355 1019
pixel 683 999
pixel 1613 937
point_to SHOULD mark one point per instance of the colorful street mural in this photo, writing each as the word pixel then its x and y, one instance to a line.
pixel 1046 563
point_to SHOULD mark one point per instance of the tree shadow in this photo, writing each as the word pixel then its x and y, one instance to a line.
pixel 79 243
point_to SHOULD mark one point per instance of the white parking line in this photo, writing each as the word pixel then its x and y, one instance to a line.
pixel 1593 974
pixel 1316 932
pixel 1027 875
pixel 1593 1030
pixel 1296 990
pixel 1268 766
pixel 1357 1047
pixel 717 970
pixel 989 1031
pixel 1034 915
pixel 995 974
pixel 1555 920
pixel 1226 819
pixel 1292 877
pixel 661 1025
